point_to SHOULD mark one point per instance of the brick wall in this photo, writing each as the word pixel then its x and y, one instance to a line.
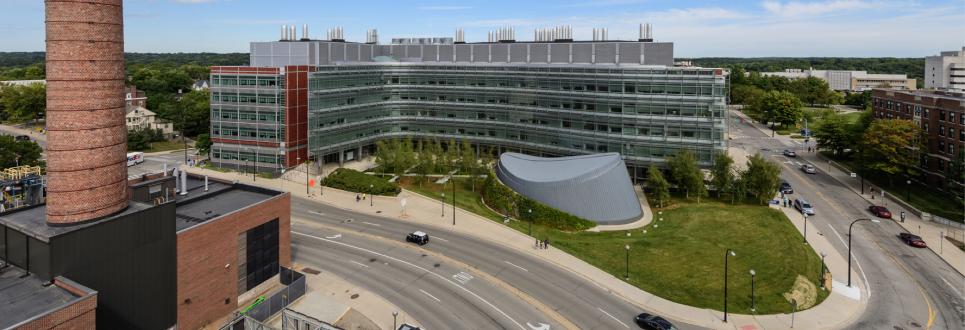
pixel 204 283
pixel 79 315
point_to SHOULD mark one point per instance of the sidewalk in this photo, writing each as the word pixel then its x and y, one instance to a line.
pixel 835 312
pixel 931 232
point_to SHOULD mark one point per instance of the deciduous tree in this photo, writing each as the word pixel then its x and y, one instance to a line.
pixel 659 187
pixel 686 174
pixel 761 178
pixel 722 174
pixel 893 146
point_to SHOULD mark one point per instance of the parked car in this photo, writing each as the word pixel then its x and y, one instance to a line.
pixel 790 153
pixel 786 188
pixel 803 206
pixel 649 321
pixel 22 138
pixel 406 326
pixel 913 240
pixel 418 237
pixel 809 169
pixel 805 132
pixel 880 211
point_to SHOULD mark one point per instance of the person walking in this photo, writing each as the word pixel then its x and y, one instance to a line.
pixel 546 243
pixel 357 198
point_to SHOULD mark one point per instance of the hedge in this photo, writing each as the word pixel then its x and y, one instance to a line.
pixel 355 181
pixel 506 201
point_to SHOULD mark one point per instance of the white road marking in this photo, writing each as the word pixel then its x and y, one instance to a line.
pixel 422 269
pixel 860 269
pixel 538 326
pixel 615 319
pixel 334 237
pixel 951 286
pixel 371 224
pixel 316 212
pixel 463 277
pixel 430 296
pixel 359 263
pixel 440 238
pixel 514 265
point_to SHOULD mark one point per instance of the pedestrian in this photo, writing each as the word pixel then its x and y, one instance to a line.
pixel 363 196
pixel 546 243
pixel 357 198
pixel 537 244
pixel 902 216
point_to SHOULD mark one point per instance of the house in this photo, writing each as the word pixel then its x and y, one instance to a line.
pixel 134 97
pixel 200 85
pixel 140 118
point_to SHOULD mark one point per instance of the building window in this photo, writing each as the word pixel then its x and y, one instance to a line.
pixel 941 115
pixel 941 130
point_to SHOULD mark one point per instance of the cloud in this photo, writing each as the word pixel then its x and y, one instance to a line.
pixel 795 8
pixel 191 2
pixel 601 3
pixel 702 13
pixel 444 8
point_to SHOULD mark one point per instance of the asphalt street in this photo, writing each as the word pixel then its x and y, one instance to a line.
pixel 578 300
pixel 909 288
pixel 155 163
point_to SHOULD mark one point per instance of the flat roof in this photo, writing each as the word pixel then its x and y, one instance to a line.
pixel 24 298
pixel 33 221
pixel 200 206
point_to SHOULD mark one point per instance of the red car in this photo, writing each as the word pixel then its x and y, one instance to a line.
pixel 913 240
pixel 880 211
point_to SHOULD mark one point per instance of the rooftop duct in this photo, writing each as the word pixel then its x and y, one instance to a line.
pixel 336 34
pixel 646 33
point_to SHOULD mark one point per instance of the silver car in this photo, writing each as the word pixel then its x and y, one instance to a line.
pixel 809 169
pixel 803 206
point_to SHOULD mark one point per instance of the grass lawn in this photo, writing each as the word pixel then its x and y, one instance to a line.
pixel 924 198
pixel 164 146
pixel 681 257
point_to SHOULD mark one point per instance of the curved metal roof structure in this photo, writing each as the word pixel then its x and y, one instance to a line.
pixel 594 187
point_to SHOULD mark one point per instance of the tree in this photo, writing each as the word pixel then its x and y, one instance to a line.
pixel 780 107
pixel 745 94
pixel 812 90
pixel 21 103
pixel 859 100
pixel 452 152
pixel 197 111
pixel 203 143
pixel 834 133
pixel 762 178
pixel 659 187
pixel 13 152
pixel 423 161
pixel 469 161
pixel 722 174
pixel 686 174
pixel 893 146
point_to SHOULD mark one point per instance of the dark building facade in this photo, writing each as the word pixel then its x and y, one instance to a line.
pixel 941 115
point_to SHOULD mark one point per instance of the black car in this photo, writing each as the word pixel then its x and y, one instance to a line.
pixel 786 188
pixel 418 237
pixel 406 326
pixel 22 138
pixel 648 321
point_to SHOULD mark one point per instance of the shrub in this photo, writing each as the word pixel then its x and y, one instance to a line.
pixel 506 201
pixel 355 181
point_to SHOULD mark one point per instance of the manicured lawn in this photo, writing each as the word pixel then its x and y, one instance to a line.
pixel 165 146
pixel 682 257
pixel 922 197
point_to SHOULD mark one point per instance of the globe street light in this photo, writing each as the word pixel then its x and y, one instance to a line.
pixel 395 315
pixel 849 245
pixel 530 216
pixel 726 254
pixel 443 202
pixel 805 228
pixel 753 301
pixel 371 195
pixel 627 247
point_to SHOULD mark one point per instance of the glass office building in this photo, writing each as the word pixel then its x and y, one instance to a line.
pixel 544 98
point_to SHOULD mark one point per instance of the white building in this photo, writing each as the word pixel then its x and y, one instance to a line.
pixel 842 80
pixel 138 118
pixel 946 71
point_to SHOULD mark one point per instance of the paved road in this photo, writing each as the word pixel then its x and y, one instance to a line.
pixel 36 137
pixel 910 288
pixel 583 303
pixel 155 163
pixel 437 292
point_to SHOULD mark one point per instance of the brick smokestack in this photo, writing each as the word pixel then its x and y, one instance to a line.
pixel 86 134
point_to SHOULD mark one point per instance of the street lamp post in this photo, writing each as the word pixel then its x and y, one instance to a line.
pixel 805 228
pixel 908 191
pixel 726 254
pixel 395 315
pixel 371 196
pixel 627 247
pixel 753 301
pixel 849 244
pixel 443 203
pixel 530 216
pixel 453 199
pixel 181 107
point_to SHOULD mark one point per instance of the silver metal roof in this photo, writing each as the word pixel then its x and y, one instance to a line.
pixel 594 187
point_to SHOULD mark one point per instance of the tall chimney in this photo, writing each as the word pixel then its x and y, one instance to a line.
pixel 86 135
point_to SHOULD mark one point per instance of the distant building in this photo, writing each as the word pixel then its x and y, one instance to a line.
pixel 941 114
pixel 21 82
pixel 139 118
pixel 841 80
pixel 134 97
pixel 200 85
pixel 946 71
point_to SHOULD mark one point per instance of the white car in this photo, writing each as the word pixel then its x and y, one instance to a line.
pixel 809 169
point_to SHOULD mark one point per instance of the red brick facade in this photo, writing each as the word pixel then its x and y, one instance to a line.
pixel 208 257
pixel 86 134
pixel 296 114
pixel 80 315
pixel 942 117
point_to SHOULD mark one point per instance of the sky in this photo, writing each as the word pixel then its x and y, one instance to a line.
pixel 712 28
